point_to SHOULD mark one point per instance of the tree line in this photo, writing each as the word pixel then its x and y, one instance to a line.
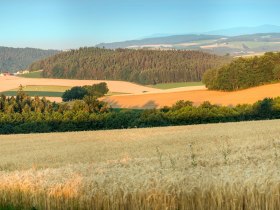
pixel 22 114
pixel 140 66
pixel 14 59
pixel 244 73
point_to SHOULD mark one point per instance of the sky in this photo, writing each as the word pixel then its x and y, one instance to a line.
pixel 65 24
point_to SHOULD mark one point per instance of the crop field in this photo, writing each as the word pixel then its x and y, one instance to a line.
pixel 160 99
pixel 176 85
pixel 35 93
pixel 10 82
pixel 40 90
pixel 45 88
pixel 130 95
pixel 187 167
pixel 46 91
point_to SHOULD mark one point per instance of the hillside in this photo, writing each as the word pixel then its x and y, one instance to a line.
pixel 183 167
pixel 244 73
pixel 140 66
pixel 218 44
pixel 14 59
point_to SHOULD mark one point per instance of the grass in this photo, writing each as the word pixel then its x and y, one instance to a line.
pixel 35 93
pixel 44 88
pixel 47 90
pixel 216 166
pixel 37 90
pixel 176 85
pixel 35 74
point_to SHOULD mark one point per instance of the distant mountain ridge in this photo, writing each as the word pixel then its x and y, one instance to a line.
pixel 263 29
pixel 175 39
pixel 15 59
pixel 247 40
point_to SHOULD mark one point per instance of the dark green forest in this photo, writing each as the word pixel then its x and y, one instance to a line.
pixel 23 114
pixel 244 73
pixel 140 66
pixel 15 59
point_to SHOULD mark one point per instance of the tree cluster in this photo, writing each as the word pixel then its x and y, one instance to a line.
pixel 22 104
pixel 140 66
pixel 85 92
pixel 244 73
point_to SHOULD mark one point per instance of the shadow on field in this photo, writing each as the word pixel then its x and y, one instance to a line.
pixel 114 104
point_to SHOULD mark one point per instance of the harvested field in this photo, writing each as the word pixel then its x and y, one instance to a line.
pixel 185 167
pixel 152 100
pixel 10 82
pixel 59 85
pixel 129 95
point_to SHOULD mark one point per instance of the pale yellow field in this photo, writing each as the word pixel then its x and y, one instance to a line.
pixel 11 82
pixel 218 166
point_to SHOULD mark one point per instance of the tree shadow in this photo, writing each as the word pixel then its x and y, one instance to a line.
pixel 115 104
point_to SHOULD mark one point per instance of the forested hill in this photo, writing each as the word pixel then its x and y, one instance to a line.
pixel 140 66
pixel 14 59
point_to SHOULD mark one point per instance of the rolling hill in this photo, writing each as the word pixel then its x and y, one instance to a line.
pixel 14 59
pixel 218 44
pixel 237 31
pixel 167 40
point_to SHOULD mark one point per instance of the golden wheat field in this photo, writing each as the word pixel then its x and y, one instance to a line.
pixel 215 166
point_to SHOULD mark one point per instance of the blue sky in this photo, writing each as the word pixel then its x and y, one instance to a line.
pixel 64 24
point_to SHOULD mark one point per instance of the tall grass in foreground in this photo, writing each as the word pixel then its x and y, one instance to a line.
pixel 157 193
pixel 225 167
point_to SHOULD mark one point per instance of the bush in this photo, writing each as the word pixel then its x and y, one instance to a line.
pixel 74 93
pixel 78 93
